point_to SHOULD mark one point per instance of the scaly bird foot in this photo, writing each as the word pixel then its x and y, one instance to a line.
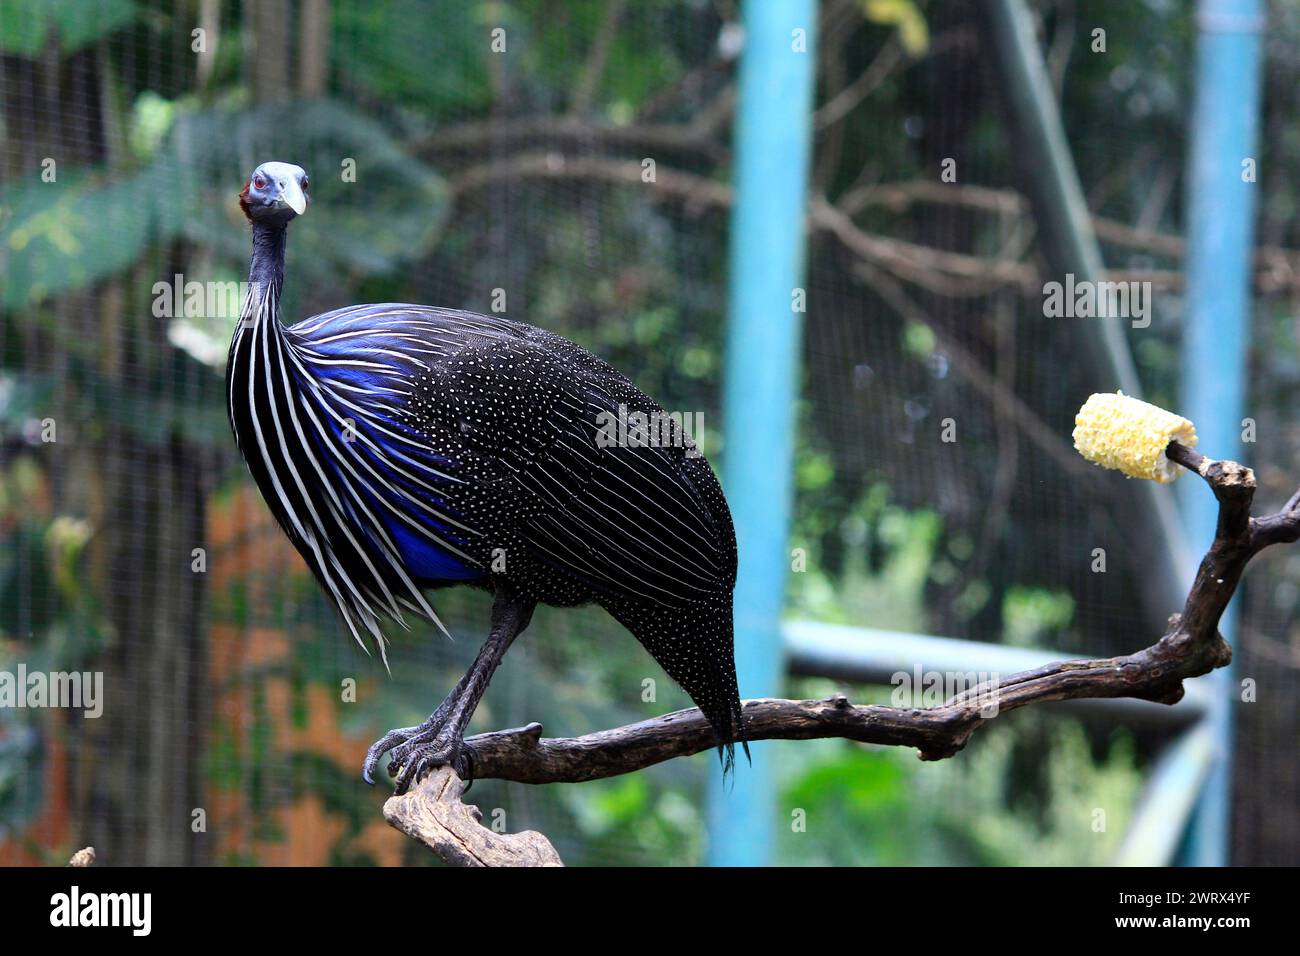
pixel 413 759
pixel 389 741
pixel 415 750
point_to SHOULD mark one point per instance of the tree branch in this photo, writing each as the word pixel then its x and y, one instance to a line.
pixel 432 813
pixel 1275 267
pixel 1190 647
pixel 480 135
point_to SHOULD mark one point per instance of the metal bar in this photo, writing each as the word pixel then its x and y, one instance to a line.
pixel 1219 244
pixel 1070 247
pixel 1167 803
pixel 871 656
pixel 763 358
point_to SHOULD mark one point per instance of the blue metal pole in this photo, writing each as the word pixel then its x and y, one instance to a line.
pixel 1220 241
pixel 772 145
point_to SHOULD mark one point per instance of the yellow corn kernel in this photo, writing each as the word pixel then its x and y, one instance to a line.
pixel 1116 431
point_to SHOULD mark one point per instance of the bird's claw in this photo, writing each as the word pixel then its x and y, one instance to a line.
pixel 415 750
pixel 386 743
pixel 411 762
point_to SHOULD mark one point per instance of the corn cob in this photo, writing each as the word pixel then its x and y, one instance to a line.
pixel 1116 431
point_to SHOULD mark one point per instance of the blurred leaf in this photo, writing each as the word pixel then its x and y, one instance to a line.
pixel 28 603
pixel 66 234
pixel 25 24
pixel 919 339
pixel 151 118
pixel 557 54
pixel 867 782
pixel 903 14
pixel 431 57
pixel 24 398
pixel 1033 616
pixel 22 784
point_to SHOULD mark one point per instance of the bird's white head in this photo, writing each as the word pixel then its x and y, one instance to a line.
pixel 275 193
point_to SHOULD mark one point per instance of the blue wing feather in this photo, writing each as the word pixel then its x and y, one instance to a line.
pixel 363 362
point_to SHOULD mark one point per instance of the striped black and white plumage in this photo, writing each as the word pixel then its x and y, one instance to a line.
pixel 404 448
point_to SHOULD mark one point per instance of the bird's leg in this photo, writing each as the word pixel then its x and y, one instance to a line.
pixel 438 741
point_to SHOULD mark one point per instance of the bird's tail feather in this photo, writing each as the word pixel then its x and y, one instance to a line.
pixel 695 647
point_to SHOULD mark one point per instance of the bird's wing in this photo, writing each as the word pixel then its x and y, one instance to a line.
pixel 651 520
pixel 647 523
pixel 469 423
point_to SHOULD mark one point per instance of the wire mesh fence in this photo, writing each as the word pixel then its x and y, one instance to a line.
pixel 566 164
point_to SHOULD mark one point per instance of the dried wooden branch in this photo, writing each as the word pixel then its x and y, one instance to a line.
pixel 1190 647
pixel 432 813
pixel 530 132
pixel 941 271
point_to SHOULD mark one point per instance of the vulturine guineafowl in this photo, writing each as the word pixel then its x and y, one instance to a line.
pixel 405 448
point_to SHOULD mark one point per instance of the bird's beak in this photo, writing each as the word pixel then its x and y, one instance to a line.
pixel 292 196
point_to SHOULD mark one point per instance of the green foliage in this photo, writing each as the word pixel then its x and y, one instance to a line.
pixel 883 807
pixel 428 57
pixel 22 786
pixel 889 553
pixel 43 594
pixel 560 38
pixel 663 825
pixel 1033 616
pixel 27 25
pixel 64 238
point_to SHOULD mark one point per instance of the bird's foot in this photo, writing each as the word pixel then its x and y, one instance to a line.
pixel 393 738
pixel 413 751
pixel 414 759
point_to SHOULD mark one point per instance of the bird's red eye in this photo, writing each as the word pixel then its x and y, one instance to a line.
pixel 259 182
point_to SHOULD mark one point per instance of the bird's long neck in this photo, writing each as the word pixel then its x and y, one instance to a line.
pixel 265 275
pixel 260 314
